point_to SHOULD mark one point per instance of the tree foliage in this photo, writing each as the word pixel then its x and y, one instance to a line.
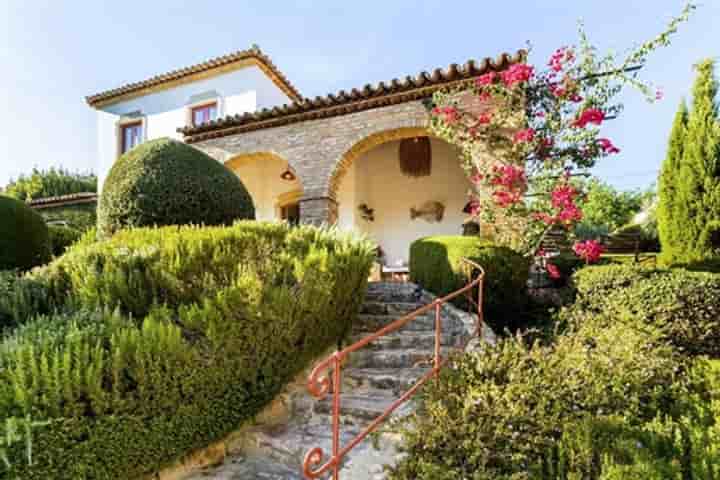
pixel 50 183
pixel 605 208
pixel 667 188
pixel 690 180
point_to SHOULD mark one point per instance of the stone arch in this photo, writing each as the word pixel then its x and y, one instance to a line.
pixel 261 172
pixel 366 144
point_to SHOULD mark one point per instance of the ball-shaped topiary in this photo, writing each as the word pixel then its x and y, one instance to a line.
pixel 24 240
pixel 166 182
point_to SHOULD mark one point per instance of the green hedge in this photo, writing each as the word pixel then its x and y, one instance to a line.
pixel 685 305
pixel 62 237
pixel 183 333
pixel 166 182
pixel 435 263
pixel 597 403
pixel 24 241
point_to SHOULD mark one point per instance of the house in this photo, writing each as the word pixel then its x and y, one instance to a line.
pixel 362 159
pixel 76 210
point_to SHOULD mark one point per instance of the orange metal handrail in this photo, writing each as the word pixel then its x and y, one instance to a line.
pixel 319 384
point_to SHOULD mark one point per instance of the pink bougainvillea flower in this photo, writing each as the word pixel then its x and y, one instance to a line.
pixel 590 115
pixel 449 114
pixel 576 98
pixel 563 196
pixel 485 96
pixel 553 271
pixel 607 146
pixel 476 177
pixel 589 250
pixel 484 118
pixel 561 57
pixel 509 176
pixel 486 79
pixel 505 198
pixel 517 73
pixel 570 214
pixel 527 135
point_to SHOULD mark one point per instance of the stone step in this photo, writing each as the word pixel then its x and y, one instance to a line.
pixel 249 468
pixel 288 444
pixel 390 308
pixel 394 358
pixel 424 322
pixel 392 292
pixel 408 339
pixel 392 379
pixel 362 408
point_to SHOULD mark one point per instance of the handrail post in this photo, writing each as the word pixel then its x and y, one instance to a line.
pixel 336 416
pixel 437 341
pixel 481 320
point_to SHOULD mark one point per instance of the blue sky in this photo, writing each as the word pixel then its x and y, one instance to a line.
pixel 56 52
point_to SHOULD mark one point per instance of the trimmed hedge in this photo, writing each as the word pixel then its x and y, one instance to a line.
pixel 184 333
pixel 24 241
pixel 601 403
pixel 166 182
pixel 435 263
pixel 61 238
pixel 684 305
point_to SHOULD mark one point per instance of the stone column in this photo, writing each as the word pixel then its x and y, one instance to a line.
pixel 318 210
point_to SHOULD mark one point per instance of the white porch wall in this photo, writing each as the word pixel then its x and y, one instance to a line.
pixel 263 182
pixel 244 90
pixel 375 179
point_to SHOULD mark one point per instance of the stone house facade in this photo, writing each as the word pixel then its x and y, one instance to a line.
pixel 331 159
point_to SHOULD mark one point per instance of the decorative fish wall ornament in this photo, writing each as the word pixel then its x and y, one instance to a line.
pixel 430 211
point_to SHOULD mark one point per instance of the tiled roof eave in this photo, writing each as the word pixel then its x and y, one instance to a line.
pixel 214 65
pixel 63 200
pixel 383 94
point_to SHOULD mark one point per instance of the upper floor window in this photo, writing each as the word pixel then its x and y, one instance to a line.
pixel 204 113
pixel 131 135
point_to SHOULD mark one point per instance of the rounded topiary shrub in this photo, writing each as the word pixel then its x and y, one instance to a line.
pixel 436 265
pixel 24 241
pixel 166 182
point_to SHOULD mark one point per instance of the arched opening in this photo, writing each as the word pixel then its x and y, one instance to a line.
pixel 379 197
pixel 272 184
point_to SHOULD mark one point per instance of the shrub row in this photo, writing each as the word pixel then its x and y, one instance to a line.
pixel 684 305
pixel 436 264
pixel 62 237
pixel 24 241
pixel 601 403
pixel 169 338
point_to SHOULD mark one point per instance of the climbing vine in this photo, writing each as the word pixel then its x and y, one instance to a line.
pixel 526 132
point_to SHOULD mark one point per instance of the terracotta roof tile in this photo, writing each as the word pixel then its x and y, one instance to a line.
pixel 70 199
pixel 384 93
pixel 253 53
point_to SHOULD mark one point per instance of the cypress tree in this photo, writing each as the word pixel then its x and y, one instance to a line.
pixel 693 226
pixel 667 184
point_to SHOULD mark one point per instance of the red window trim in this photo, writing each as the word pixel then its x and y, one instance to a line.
pixel 123 127
pixel 201 107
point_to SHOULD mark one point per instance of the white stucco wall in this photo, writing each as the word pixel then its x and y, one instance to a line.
pixel 262 179
pixel 244 90
pixel 375 179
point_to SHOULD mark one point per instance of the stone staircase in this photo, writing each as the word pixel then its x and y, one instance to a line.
pixel 373 378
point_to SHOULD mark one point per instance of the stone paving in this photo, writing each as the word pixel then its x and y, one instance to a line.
pixel 372 379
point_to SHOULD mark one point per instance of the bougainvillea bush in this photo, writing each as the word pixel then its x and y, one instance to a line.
pixel 536 130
